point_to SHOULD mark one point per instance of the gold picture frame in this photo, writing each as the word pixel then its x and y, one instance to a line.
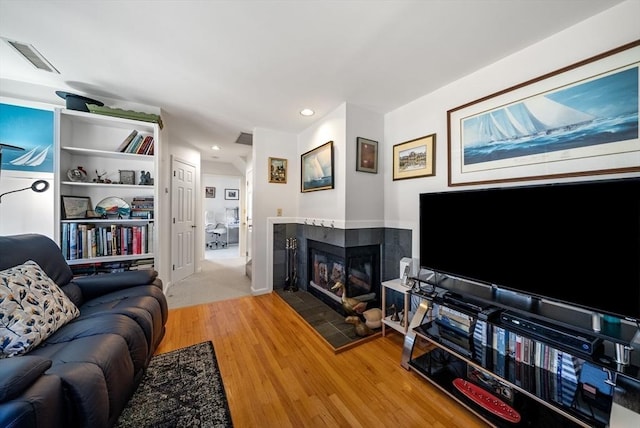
pixel 277 170
pixel 415 158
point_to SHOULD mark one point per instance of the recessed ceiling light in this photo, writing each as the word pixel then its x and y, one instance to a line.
pixel 307 112
pixel 215 147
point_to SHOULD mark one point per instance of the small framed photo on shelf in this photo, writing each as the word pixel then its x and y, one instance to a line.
pixel 209 192
pixel 367 155
pixel 127 177
pixel 277 170
pixel 232 194
pixel 75 207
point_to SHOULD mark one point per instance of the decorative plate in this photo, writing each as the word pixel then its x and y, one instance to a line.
pixel 113 207
pixel 77 174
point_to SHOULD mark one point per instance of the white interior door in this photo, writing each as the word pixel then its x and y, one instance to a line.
pixel 248 214
pixel 183 220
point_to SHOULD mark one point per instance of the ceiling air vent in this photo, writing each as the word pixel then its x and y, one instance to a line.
pixel 245 138
pixel 33 56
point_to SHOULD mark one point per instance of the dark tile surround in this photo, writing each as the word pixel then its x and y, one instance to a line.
pixel 394 245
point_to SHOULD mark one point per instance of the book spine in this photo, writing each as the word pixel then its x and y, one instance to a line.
pixel 149 150
pixel 133 145
pixel 114 240
pixel 73 241
pixel 150 240
pixel 126 141
pixel 144 146
pixel 64 239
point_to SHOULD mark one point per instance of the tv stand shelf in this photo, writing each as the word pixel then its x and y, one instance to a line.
pixel 468 340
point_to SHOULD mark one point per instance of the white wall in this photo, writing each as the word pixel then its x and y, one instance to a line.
pixel 268 197
pixel 364 191
pixel 428 114
pixel 327 204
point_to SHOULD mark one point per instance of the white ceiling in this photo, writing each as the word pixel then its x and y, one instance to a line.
pixel 219 68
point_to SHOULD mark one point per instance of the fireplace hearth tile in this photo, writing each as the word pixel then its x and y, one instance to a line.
pixel 327 323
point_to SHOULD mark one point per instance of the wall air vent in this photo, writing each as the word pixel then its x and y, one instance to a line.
pixel 30 53
pixel 245 138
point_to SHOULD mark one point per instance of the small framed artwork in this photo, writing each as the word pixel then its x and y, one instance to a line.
pixel 127 177
pixel 415 158
pixel 209 192
pixel 232 194
pixel 317 168
pixel 75 207
pixel 367 155
pixel 277 170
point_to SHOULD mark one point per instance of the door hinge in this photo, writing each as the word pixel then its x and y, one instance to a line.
pixel 173 267
pixel 174 220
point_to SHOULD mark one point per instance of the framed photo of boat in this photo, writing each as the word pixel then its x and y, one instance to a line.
pixel 75 207
pixel 576 121
pixel 415 158
pixel 317 168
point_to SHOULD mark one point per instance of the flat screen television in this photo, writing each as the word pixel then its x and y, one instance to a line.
pixel 577 243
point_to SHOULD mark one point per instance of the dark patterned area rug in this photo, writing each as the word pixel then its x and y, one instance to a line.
pixel 181 388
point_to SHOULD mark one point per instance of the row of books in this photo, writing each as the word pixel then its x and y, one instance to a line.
pixel 110 267
pixel 137 143
pixel 142 207
pixel 549 373
pixel 82 241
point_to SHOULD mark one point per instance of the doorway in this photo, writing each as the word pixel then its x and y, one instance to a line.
pixel 221 206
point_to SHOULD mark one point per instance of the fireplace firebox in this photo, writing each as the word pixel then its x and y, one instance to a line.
pixel 358 268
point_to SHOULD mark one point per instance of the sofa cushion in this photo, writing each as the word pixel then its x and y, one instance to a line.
pixel 97 374
pixel 18 374
pixel 32 308
pixel 41 405
pixel 17 249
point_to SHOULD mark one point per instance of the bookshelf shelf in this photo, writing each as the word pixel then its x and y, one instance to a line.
pixel 104 153
pixel 110 259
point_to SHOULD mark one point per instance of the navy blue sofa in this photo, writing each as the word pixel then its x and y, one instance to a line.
pixel 84 373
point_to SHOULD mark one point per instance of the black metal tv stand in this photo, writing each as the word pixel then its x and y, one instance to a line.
pixel 473 349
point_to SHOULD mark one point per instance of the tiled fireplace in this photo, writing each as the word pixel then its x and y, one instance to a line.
pixel 358 268
pixel 369 256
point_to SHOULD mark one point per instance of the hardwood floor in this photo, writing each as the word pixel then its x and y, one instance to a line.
pixel 277 372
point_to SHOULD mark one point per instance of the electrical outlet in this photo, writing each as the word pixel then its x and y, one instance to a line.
pixel 279 212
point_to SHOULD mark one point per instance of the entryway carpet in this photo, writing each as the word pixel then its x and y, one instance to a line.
pixel 181 388
pixel 326 322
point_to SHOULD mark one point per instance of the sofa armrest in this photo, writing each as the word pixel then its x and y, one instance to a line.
pixel 98 285
pixel 17 374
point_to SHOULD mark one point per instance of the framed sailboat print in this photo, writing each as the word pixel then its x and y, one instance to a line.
pixel 317 168
pixel 576 121
pixel 31 130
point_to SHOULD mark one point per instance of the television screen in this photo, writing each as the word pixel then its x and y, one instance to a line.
pixel 578 242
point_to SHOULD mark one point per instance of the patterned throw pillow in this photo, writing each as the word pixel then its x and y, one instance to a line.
pixel 32 308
